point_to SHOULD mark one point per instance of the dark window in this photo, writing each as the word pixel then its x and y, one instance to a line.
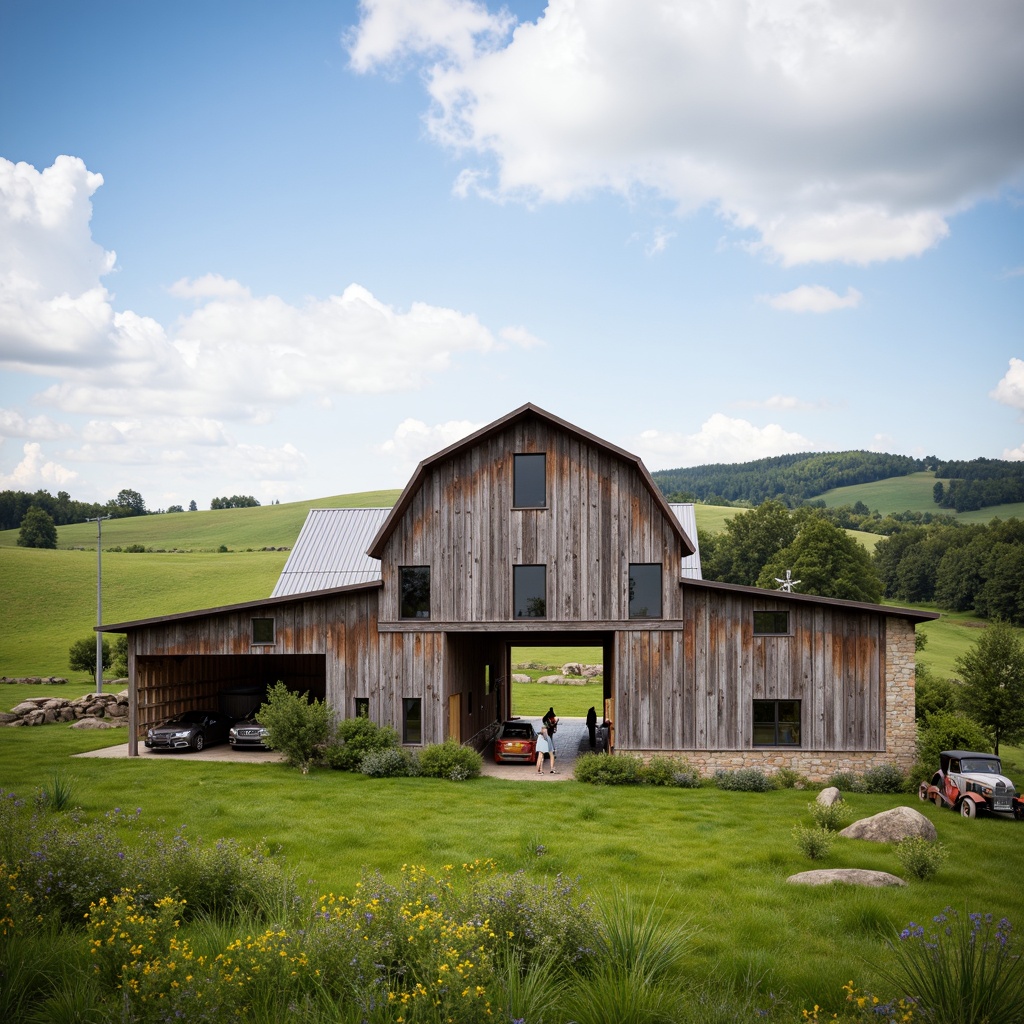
pixel 412 720
pixel 771 623
pixel 415 585
pixel 262 631
pixel 645 591
pixel 776 723
pixel 529 591
pixel 362 707
pixel 530 485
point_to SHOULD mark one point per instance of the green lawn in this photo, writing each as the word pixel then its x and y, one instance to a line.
pixel 718 860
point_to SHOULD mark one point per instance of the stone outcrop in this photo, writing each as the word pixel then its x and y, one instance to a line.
pixel 892 826
pixel 109 707
pixel 33 680
pixel 828 797
pixel 845 876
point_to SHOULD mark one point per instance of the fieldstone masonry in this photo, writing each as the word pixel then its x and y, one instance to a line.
pixel 112 707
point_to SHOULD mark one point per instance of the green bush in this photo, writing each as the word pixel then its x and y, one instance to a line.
pixel 946 730
pixel 388 763
pixel 450 760
pixel 354 739
pixel 297 726
pixel 786 778
pixel 846 782
pixel 831 817
pixel 920 857
pixel 884 778
pixel 605 770
pixel 743 780
pixel 814 843
pixel 670 771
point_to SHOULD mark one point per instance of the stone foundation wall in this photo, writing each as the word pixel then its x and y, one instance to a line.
pixel 900 693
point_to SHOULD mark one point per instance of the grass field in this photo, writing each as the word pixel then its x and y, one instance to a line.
pixel 912 493
pixel 716 860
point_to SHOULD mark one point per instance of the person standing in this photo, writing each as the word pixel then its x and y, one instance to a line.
pixel 545 749
pixel 592 728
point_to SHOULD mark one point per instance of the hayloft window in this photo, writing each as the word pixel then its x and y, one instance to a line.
pixel 645 591
pixel 414 582
pixel 771 623
pixel 530 591
pixel 263 631
pixel 776 723
pixel 412 720
pixel 530 483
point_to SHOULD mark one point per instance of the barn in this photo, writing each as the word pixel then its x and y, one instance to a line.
pixel 532 531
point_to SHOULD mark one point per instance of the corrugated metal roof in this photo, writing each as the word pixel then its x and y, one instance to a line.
pixel 688 521
pixel 331 551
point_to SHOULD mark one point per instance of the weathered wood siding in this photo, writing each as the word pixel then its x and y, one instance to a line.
pixel 691 687
pixel 600 517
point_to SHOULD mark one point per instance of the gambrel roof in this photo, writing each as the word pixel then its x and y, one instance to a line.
pixel 529 410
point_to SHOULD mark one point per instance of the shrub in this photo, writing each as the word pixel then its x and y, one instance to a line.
pixel 786 778
pixel 297 726
pixel 605 770
pixel 670 771
pixel 355 738
pixel 814 843
pixel 833 817
pixel 450 760
pixel 388 763
pixel 920 857
pixel 964 970
pixel 946 730
pixel 744 780
pixel 884 778
pixel 846 782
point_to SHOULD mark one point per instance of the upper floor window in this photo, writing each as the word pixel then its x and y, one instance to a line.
pixel 776 723
pixel 530 591
pixel 530 481
pixel 263 631
pixel 414 582
pixel 771 623
pixel 645 590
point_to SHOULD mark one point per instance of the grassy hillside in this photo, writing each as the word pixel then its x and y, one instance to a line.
pixel 912 493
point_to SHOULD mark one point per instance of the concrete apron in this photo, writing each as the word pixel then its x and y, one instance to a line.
pixel 570 739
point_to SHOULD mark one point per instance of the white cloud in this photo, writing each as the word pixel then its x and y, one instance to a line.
pixel 1014 454
pixel 659 243
pixel 786 403
pixel 520 337
pixel 814 298
pixel 1010 390
pixel 413 441
pixel 209 286
pixel 720 439
pixel 34 472
pixel 823 128
pixel 38 428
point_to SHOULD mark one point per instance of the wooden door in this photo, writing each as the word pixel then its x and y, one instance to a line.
pixel 455 717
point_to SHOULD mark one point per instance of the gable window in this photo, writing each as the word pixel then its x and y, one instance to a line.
pixel 412 720
pixel 529 591
pixel 414 582
pixel 645 591
pixel 771 623
pixel 263 631
pixel 530 481
pixel 776 723
pixel 362 707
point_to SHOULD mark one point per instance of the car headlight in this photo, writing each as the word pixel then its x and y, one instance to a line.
pixel 181 734
pixel 232 733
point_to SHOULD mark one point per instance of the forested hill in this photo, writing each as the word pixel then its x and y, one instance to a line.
pixel 789 478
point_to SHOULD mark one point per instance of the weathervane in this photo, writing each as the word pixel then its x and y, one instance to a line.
pixel 788 583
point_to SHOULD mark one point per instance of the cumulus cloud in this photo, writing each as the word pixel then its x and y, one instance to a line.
pixel 821 130
pixel 35 472
pixel 814 298
pixel 720 439
pixel 413 441
pixel 38 428
pixel 1014 454
pixel 1010 390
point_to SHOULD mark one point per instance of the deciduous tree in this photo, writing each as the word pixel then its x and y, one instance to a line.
pixel 37 530
pixel 992 672
pixel 82 654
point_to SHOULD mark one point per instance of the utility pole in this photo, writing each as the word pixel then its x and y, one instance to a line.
pixel 99 598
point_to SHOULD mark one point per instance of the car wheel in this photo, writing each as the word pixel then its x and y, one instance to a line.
pixel 922 791
pixel 938 801
pixel 197 743
pixel 968 809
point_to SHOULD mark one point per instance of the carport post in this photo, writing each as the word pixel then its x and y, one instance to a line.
pixel 99 599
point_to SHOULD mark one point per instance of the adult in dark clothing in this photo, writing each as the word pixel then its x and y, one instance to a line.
pixel 550 723
pixel 592 728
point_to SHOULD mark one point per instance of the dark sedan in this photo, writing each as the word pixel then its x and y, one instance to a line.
pixel 517 742
pixel 191 730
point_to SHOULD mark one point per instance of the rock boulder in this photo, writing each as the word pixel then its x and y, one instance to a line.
pixel 845 876
pixel 892 826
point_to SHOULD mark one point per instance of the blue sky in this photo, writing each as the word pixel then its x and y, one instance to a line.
pixel 289 250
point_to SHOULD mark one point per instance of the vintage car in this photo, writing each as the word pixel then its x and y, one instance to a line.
pixel 248 734
pixel 969 782
pixel 191 730
pixel 516 742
